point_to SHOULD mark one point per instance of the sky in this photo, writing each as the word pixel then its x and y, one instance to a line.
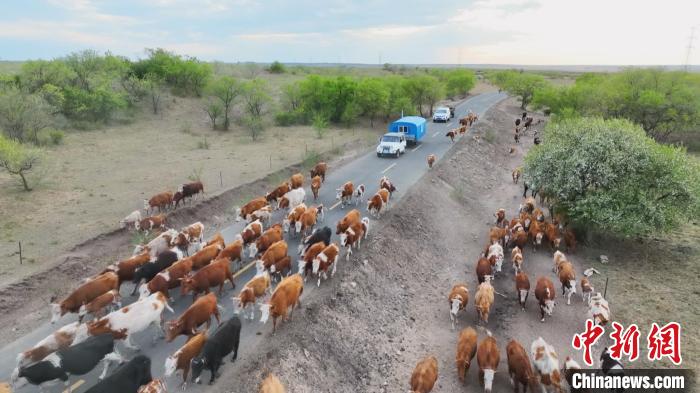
pixel 527 32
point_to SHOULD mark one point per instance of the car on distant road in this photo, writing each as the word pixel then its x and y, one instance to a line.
pixel 391 144
pixel 441 114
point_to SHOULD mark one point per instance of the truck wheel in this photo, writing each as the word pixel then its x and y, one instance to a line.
pixel 379 155
pixel 398 153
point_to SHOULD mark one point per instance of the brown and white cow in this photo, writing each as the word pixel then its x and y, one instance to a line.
pixel 516 174
pixel 268 238
pixel 466 349
pixel 168 279
pixel 359 194
pixel 586 289
pixel 545 294
pixel 98 305
pixel 327 258
pixel 452 134
pixel 558 259
pixel 424 375
pixel 483 269
pixel 353 236
pixel 306 262
pixel 458 299
pixel 150 223
pixel 125 269
pixel 294 215
pixel 199 313
pixel 546 364
pixel 536 233
pixel 271 384
pixel 277 193
pixel 253 290
pixel 84 294
pixel 155 386
pixel 484 299
pixel 251 232
pixel 276 258
pixel 204 256
pixel 519 367
pixel 516 256
pixel 487 356
pixel 264 214
pixel 182 359
pixel 567 277
pixel 599 310
pixel 306 222
pixel 386 184
pixel 315 186
pixel 234 250
pixel 61 338
pixel 130 220
pixel 375 205
pixel 285 296
pixel 243 212
pixel 319 170
pixel 296 181
pixel 162 201
pixel 345 193
pixel 349 219
pixel 292 199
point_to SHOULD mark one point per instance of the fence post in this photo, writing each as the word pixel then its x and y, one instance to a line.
pixel 20 252
pixel 221 179
pixel 605 292
pixel 270 161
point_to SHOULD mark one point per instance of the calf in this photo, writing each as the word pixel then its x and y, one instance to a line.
pixel 131 219
pixel 327 258
pixel 424 375
pixel 269 237
pixel 162 201
pixel 458 299
pixel 350 218
pixel 277 193
pixel 519 368
pixel 586 289
pixel 598 310
pixel 254 289
pixel 292 199
pixel 522 288
pixel 483 269
pixel 250 207
pixel 484 299
pixel 78 359
pixel 61 338
pixel 520 238
pixel 285 296
pixel 546 363
pixel 125 269
pixel 149 270
pixel 181 360
pixel 359 194
pixel 199 313
pixel 386 184
pixel 567 277
pixel 375 205
pixel 307 221
pixel 131 319
pixel 99 304
pixel 150 223
pixel 487 356
pixel 271 384
pixel 517 259
pixel 224 340
pixel 85 293
pixel 354 235
pixel 545 293
pixel 296 181
pixel 495 256
pixel 319 170
pixel 251 232
pixel 344 194
pixel 306 263
pixel 128 377
pixel 194 232
pixel 431 160
pixel 466 349
pixel 166 280
pixel 209 276
pixel 318 235
pixel 315 186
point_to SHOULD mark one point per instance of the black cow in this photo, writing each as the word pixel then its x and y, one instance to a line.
pixel 188 190
pixel 149 270
pixel 318 235
pixel 128 378
pixel 78 359
pixel 610 366
pixel 224 340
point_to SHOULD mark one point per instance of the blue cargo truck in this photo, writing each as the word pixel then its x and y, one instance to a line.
pixel 413 127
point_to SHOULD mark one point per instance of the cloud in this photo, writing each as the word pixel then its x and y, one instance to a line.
pixel 273 37
pixel 387 31
pixel 88 12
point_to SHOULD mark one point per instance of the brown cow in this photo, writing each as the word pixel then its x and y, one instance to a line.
pixel 431 160
pixel 307 220
pixel 166 280
pixel 500 235
pixel 457 299
pixel 155 386
pixel 315 186
pixel 162 201
pixel 251 232
pixel 277 193
pixel 269 237
pixel 483 269
pixel 254 289
pixel 484 299
pixel 204 256
pixel 319 170
pixel 274 253
pixel 536 233
pixel 350 218
pixel 233 251
pixel 209 276
pixel 243 212
pixel 545 294
pixel 99 304
pixel 296 181
pixel 375 205
pixel 517 173
pixel 522 288
pixel 150 223
pixel 84 294
pixel 501 221
pixel 451 134
pixel 294 215
pixel 218 239
pixel 196 315
pixel 546 364
pixel 345 193
pixel 466 348
pixel 61 338
pixel 271 384
pixel 182 359
pixel 424 375
pixel 487 356
pixel 306 262
pixel 567 277
pixel 353 236
pixel 519 367
pixel 386 184
pixel 324 260
pixel 125 269
pixel 286 295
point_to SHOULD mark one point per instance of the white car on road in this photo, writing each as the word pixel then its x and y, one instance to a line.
pixel 441 114
pixel 392 143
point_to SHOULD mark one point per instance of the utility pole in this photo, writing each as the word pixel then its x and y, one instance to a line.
pixel 689 48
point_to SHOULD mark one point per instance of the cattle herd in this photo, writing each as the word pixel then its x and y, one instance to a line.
pixel 529 227
pixel 183 259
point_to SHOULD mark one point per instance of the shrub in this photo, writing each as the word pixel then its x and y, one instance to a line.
pixel 286 119
pixel 320 124
pixel 18 159
pixel 56 136
pixel 276 68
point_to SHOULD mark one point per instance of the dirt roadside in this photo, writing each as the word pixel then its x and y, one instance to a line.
pixel 23 304
pixel 367 328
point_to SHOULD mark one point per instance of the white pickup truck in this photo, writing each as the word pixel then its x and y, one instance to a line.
pixel 392 143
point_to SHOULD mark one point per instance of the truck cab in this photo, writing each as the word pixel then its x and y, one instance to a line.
pixel 391 144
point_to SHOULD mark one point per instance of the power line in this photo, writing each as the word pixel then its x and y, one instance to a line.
pixel 689 48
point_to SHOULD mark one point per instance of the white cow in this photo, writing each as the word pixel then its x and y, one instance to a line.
pixel 598 309
pixel 497 250
pixel 295 197
pixel 131 219
pixel 546 363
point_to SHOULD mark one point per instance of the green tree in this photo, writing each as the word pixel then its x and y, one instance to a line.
pixel 371 96
pixel 257 99
pixel 23 115
pixel 35 74
pixel 154 85
pixel 276 68
pixel 214 110
pixel 520 84
pixel 225 89
pixel 459 82
pixel 320 124
pixel 608 176
pixel 18 159
pixel 256 126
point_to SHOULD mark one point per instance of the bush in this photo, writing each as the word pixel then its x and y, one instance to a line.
pixel 320 124
pixel 56 136
pixel 276 68
pixel 608 176
pixel 50 137
pixel 18 159
pixel 286 119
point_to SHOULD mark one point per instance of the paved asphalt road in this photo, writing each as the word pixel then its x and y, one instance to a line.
pixel 366 169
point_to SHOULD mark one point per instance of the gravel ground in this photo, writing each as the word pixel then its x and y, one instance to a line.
pixel 387 308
